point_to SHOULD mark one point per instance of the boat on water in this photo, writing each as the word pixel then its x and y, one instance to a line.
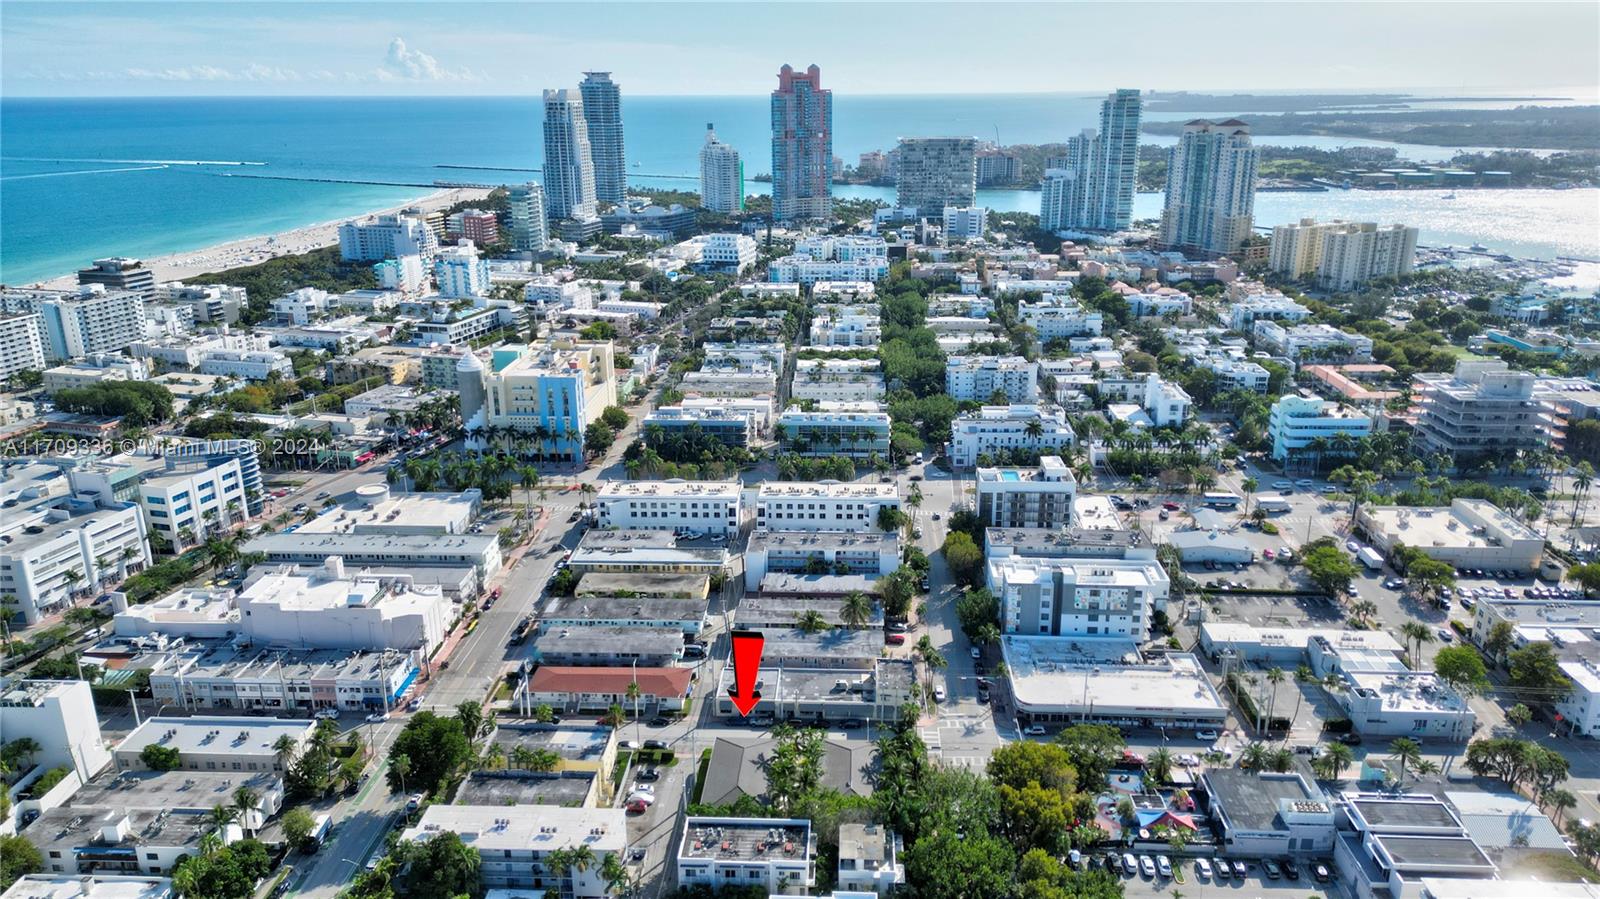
pixel 1449 196
pixel 1478 248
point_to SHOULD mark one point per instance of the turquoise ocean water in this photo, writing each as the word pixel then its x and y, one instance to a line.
pixel 147 177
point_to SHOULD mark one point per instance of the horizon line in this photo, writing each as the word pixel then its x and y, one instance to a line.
pixel 1410 93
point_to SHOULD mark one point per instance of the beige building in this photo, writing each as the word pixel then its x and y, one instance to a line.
pixel 1470 533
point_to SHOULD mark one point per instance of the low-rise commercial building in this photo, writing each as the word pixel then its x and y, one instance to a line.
pixel 1470 533
pixel 584 689
pixel 1389 845
pixel 1312 343
pixel 1265 814
pixel 98 886
pixel 1384 698
pixel 1027 497
pixel 216 743
pixel 645 552
pixel 1057 681
pixel 210 674
pixel 597 645
pixel 94 369
pixel 728 426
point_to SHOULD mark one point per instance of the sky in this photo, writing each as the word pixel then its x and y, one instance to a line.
pixel 675 48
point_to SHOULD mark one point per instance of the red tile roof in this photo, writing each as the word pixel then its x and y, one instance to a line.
pixel 666 683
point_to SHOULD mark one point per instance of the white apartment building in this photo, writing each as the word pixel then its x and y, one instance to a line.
pixel 776 854
pixel 568 164
pixel 386 237
pixel 302 306
pixel 1298 420
pixel 215 674
pixel 186 352
pixel 1038 497
pixel 869 860
pixel 995 429
pixel 446 323
pixel 979 378
pixel 721 175
pixel 405 274
pixel 965 222
pixel 710 507
pixel 60 717
pixel 1385 699
pixel 730 425
pixel 249 365
pixel 1163 302
pixel 1163 403
pixel 212 303
pixel 1060 319
pixel 845 324
pixel 95 369
pixel 516 842
pixel 1482 409
pixel 813 506
pixel 21 343
pixel 1312 343
pixel 1243 314
pixel 460 272
pixel 830 258
pixel 547 292
pixel 846 429
pixel 81 322
pixel 837 381
pixel 1078 597
pixel 843 291
pixel 1236 374
pixel 731 253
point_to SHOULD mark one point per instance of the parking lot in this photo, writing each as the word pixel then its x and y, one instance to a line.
pixel 1256 879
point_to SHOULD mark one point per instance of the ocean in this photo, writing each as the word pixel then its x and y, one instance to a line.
pixel 84 178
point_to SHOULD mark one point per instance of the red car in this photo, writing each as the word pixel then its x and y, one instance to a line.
pixel 895 639
pixel 1171 506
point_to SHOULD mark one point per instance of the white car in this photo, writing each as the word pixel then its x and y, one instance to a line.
pixel 977 653
pixel 1202 868
pixel 377 717
pixel 938 694
pixel 1163 866
pixel 1034 730
pixel 327 714
pixel 1206 735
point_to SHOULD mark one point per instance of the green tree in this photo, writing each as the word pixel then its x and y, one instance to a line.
pixel 434 747
pixel 1407 752
pixel 1519 715
pixel 297 824
pixel 1586 575
pixel 442 867
pixel 964 557
pixel 18 856
pixel 1092 749
pixel 1329 568
pixel 897 589
pixel 1334 759
pixel 977 610
pixel 1017 764
pixel 1535 673
pixel 161 758
pixel 947 865
pixel 470 714
pixel 1461 667
pixel 811 621
pixel 856 610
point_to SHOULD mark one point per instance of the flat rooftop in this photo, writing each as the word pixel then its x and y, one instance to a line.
pixel 407 513
pixel 823 541
pixel 619 641
pixel 1064 541
pixel 783 490
pixel 1434 853
pixel 592 609
pixel 814 585
pixel 645 584
pixel 170 790
pixel 567 789
pixel 746 839
pixel 217 658
pixel 540 828
pixel 1059 672
pixel 1403 691
pixel 239 735
pixel 1404 813
pixel 410 546
pixel 785 610
pixel 1229 633
pixel 604 547
pixel 573 742
pixel 1250 800
pixel 723 490
pixel 67 828
pixel 296 589
pixel 1113 573
pixel 81 886
pixel 787 643
pixel 1423 527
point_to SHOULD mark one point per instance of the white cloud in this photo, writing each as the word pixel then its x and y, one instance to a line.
pixel 402 63
pixel 253 72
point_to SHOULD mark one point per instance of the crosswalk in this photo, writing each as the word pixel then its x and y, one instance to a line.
pixel 959 729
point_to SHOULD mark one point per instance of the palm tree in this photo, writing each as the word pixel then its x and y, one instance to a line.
pixel 1275 676
pixel 856 610
pixel 400 763
pixel 223 815
pixel 1418 633
pixel 613 872
pixel 1582 479
pixel 1334 759
pixel 1249 485
pixel 1159 765
pixel 1254 756
pixel 634 693
pixel 811 621
pixel 245 800
pixel 1561 801
pixel 1280 759
pixel 1407 752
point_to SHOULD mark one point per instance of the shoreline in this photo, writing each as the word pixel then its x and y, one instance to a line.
pixel 247 251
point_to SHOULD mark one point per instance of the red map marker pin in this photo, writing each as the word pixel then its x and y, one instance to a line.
pixel 747 646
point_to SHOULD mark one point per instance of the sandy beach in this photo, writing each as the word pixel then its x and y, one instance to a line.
pixel 251 250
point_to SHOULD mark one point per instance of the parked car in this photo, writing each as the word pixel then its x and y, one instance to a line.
pixel 1147 866
pixel 376 717
pixel 1037 730
pixel 1319 873
pixel 649 775
pixel 938 693
pixel 1129 864
pixel 1207 735
pixel 1240 870
pixel 977 653
pixel 1171 506
pixel 895 639
pixel 1350 739
pixel 627 744
pixel 659 721
pixel 1291 869
pixel 1202 868
pixel 655 744
pixel 1271 869
pixel 1163 866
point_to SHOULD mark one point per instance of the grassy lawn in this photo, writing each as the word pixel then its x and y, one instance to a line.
pixel 700 775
